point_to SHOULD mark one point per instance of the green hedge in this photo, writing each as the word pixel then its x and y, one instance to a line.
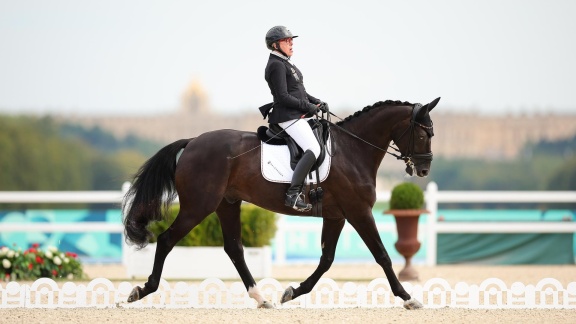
pixel 258 228
pixel 406 195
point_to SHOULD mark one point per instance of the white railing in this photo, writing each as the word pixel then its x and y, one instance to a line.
pixel 432 227
pixel 64 197
pixel 67 197
pixel 434 197
pixel 55 197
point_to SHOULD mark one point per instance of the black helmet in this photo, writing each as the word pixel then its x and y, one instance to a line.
pixel 277 33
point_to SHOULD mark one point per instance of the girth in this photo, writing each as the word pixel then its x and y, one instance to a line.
pixel 275 135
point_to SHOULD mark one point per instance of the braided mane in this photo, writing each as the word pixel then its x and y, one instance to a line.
pixel 376 105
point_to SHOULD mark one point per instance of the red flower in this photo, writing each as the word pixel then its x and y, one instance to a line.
pixel 35 245
pixel 71 254
pixel 7 275
pixel 30 266
pixel 39 260
pixel 54 273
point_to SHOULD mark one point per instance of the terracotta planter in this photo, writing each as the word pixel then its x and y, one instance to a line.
pixel 407 244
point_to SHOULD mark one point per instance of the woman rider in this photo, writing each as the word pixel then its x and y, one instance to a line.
pixel 292 107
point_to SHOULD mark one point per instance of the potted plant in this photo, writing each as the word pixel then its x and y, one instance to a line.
pixel 406 203
pixel 200 254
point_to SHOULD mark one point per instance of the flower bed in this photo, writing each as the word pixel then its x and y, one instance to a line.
pixel 35 263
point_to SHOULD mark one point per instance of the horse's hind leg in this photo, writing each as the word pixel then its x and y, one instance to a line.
pixel 366 228
pixel 229 215
pixel 186 220
pixel 331 230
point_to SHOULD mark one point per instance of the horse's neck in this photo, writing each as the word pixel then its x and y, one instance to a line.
pixel 375 127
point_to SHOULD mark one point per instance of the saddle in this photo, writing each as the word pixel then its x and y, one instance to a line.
pixel 275 135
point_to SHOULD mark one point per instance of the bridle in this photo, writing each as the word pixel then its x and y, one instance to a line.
pixel 411 141
pixel 407 158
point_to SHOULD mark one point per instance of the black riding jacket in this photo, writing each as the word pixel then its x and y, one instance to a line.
pixel 287 86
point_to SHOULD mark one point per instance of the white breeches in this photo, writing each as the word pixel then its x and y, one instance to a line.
pixel 302 134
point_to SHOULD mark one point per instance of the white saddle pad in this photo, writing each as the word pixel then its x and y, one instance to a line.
pixel 275 162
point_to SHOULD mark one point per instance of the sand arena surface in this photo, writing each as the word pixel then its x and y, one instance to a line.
pixel 353 315
pixel 471 274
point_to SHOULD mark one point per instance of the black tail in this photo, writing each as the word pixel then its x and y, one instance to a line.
pixel 145 201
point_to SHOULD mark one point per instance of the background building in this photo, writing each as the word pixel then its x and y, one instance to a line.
pixel 457 135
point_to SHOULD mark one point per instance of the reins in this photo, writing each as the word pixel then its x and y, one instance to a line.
pixel 411 154
pixel 406 158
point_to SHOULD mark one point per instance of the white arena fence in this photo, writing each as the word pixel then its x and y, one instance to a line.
pixel 492 293
pixel 430 229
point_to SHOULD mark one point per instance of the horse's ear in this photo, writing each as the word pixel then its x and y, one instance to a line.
pixel 433 104
pixel 427 108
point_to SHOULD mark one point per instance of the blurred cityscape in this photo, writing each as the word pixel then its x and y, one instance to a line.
pixel 457 135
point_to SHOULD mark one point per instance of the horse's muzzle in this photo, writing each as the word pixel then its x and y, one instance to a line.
pixel 423 172
pixel 421 169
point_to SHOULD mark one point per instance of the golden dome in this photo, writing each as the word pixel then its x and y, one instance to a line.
pixel 194 98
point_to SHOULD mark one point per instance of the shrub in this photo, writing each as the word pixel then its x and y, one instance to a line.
pixel 258 228
pixel 35 263
pixel 407 195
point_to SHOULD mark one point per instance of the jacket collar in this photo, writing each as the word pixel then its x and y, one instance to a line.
pixel 285 58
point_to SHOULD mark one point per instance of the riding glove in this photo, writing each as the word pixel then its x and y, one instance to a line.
pixel 324 107
pixel 312 108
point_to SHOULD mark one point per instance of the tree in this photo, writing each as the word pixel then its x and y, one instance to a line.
pixel 39 154
pixel 35 158
pixel 564 177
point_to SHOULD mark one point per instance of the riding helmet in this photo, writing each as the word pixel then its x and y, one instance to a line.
pixel 277 33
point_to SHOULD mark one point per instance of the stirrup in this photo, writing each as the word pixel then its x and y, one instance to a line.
pixel 298 198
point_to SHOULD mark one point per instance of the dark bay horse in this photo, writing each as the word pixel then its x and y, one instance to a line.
pixel 213 174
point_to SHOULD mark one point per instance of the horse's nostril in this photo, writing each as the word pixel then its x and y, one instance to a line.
pixel 424 172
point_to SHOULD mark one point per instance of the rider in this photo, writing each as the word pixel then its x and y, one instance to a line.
pixel 291 109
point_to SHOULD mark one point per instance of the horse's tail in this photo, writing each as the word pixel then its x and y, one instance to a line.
pixel 145 201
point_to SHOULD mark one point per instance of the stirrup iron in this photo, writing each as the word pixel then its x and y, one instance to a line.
pixel 293 200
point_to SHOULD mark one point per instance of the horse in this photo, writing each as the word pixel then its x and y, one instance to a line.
pixel 220 169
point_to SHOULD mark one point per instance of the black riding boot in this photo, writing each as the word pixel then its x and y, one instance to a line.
pixel 294 194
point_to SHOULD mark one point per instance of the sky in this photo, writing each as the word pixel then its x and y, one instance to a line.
pixel 137 57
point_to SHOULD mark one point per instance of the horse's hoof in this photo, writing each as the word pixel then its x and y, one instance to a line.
pixel 266 304
pixel 412 303
pixel 134 295
pixel 287 295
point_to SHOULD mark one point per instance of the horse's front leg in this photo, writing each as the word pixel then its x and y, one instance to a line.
pixel 331 230
pixel 184 223
pixel 366 228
